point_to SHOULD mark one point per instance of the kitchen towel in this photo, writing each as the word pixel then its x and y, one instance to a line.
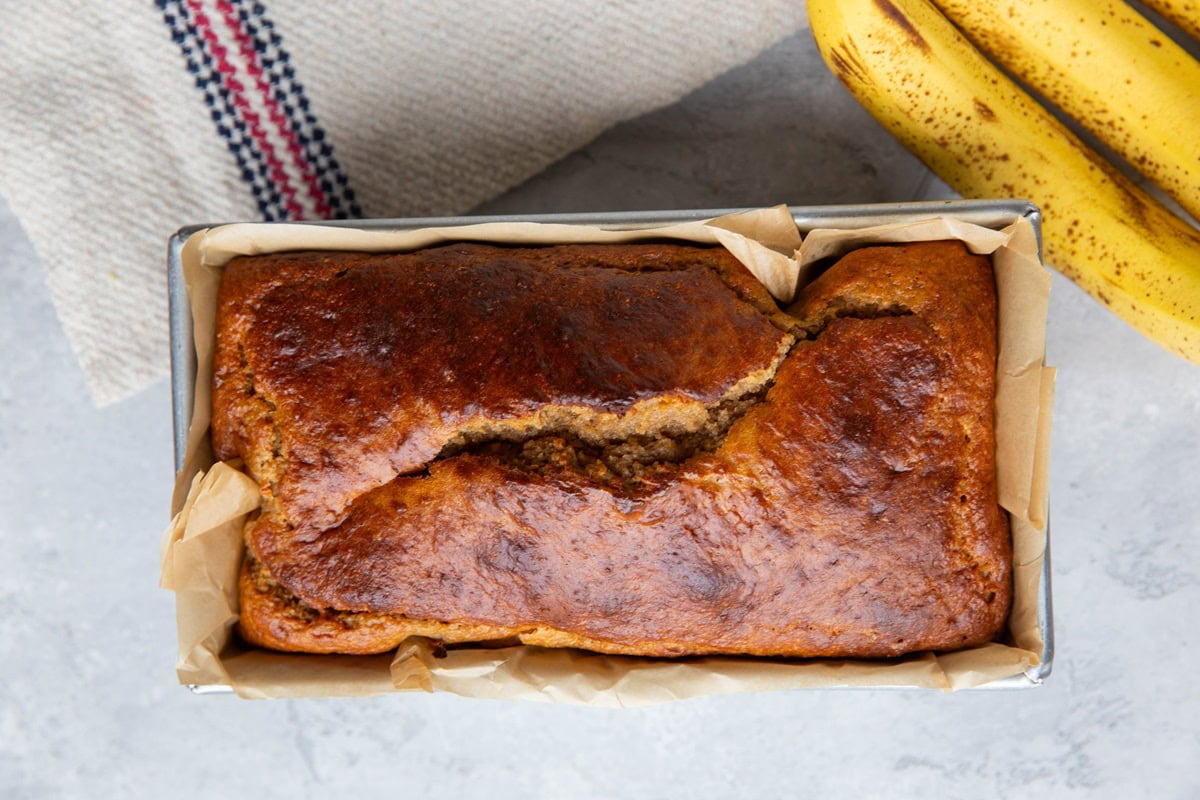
pixel 121 121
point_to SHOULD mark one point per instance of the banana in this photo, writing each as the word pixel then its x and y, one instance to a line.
pixel 1109 69
pixel 1184 13
pixel 916 74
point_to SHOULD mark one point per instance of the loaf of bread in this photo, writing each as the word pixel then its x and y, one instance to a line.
pixel 624 448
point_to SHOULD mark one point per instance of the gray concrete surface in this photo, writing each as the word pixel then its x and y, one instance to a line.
pixel 88 701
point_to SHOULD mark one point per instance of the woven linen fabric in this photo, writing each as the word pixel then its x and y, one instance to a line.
pixel 121 121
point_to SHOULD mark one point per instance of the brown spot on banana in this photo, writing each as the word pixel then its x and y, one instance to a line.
pixel 904 23
pixel 985 111
pixel 846 63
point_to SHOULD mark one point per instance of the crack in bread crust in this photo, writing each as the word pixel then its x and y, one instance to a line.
pixel 623 452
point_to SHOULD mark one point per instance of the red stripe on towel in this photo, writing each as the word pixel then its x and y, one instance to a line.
pixel 242 104
pixel 298 156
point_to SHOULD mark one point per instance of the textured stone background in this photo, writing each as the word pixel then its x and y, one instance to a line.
pixel 88 700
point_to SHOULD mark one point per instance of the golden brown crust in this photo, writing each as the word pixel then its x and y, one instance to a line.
pixel 270 616
pixel 850 512
pixel 337 372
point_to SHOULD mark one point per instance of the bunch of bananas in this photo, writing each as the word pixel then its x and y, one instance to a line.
pixel 920 68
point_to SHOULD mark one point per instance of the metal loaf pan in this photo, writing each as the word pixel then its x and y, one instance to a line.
pixel 994 214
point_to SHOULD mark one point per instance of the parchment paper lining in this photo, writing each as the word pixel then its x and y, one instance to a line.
pixel 202 548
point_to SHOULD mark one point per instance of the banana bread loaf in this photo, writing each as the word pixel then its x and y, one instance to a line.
pixel 628 449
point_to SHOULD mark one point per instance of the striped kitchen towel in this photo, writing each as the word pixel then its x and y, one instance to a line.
pixel 123 120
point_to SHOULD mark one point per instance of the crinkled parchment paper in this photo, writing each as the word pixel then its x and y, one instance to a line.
pixel 202 548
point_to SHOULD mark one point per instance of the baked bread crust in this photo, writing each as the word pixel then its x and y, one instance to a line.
pixel 847 510
pixel 334 373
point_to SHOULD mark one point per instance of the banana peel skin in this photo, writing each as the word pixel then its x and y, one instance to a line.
pixel 987 138
pixel 1109 69
pixel 1185 14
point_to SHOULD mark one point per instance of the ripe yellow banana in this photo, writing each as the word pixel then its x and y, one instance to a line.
pixel 1109 69
pixel 1184 13
pixel 912 69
